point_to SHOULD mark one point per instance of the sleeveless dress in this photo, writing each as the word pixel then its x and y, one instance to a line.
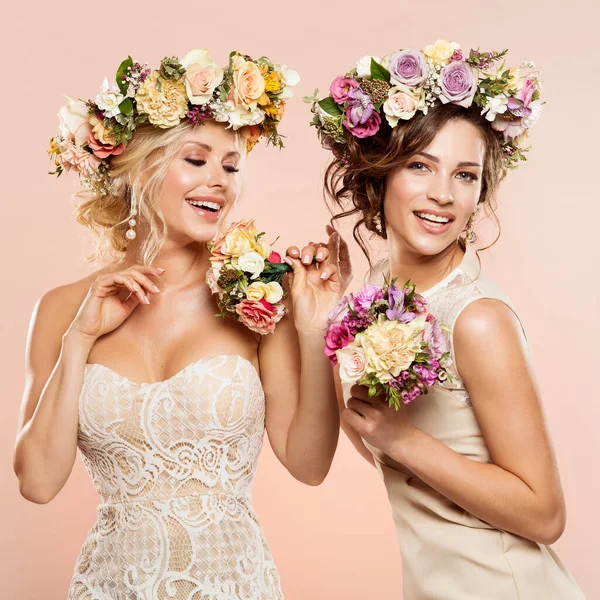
pixel 174 463
pixel 447 553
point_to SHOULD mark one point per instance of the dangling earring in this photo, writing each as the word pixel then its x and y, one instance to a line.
pixel 377 223
pixel 470 229
pixel 130 234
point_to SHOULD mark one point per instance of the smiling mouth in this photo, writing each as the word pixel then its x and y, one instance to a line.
pixel 212 207
pixel 435 220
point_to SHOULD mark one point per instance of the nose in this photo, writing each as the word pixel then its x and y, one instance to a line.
pixel 440 189
pixel 217 177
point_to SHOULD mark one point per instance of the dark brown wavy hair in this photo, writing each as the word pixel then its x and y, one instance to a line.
pixel 355 181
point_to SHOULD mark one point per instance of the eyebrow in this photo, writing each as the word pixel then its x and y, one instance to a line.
pixel 209 148
pixel 435 159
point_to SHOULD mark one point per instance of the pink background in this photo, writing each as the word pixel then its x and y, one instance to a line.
pixel 337 540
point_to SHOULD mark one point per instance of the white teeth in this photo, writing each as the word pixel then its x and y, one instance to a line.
pixel 434 218
pixel 212 205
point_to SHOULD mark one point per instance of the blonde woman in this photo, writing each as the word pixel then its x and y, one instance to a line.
pixel 166 403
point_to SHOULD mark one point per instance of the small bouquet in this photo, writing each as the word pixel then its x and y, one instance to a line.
pixel 246 276
pixel 384 338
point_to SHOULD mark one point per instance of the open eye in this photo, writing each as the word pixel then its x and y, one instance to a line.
pixel 417 166
pixel 466 176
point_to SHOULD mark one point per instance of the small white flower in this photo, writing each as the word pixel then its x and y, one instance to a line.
pixel 536 112
pixel 363 66
pixel 109 98
pixel 495 105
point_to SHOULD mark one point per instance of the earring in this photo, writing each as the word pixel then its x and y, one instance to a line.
pixel 130 233
pixel 377 223
pixel 470 228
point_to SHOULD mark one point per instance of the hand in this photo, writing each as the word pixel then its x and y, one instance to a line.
pixel 316 282
pixel 383 427
pixel 103 310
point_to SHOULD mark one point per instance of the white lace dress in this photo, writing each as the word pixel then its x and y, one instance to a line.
pixel 174 463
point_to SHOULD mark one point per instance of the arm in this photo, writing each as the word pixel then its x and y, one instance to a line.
pixel 520 491
pixel 59 342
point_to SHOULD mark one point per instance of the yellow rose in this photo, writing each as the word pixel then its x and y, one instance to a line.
pixel 273 83
pixel 263 248
pixel 101 133
pixel 165 105
pixel 441 52
pixel 272 292
pixel 239 242
pixel 512 79
pixel 248 83
pixel 390 347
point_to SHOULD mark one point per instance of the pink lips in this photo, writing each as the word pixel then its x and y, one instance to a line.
pixel 431 227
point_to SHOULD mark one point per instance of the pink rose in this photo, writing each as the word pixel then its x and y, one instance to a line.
pixel 340 87
pixel 248 82
pixel 260 317
pixel 104 150
pixel 76 158
pixel 353 363
pixel 274 258
pixel 402 103
pixel 338 336
pixel 371 127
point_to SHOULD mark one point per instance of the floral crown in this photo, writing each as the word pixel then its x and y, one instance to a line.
pixel 407 81
pixel 247 92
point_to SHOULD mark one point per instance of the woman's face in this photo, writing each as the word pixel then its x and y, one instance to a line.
pixel 202 183
pixel 429 200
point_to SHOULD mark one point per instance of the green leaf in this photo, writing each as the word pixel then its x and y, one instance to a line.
pixel 126 107
pixel 122 70
pixel 379 72
pixel 330 107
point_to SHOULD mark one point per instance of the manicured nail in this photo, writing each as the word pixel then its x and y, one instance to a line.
pixel 159 269
pixel 295 253
pixel 146 299
pixel 323 275
pixel 306 259
pixel 288 260
pixel 156 289
pixel 319 256
pixel 136 287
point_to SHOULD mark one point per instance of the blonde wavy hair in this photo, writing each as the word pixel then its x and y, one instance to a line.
pixel 136 179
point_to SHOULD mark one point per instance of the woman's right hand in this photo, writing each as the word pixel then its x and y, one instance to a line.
pixel 103 308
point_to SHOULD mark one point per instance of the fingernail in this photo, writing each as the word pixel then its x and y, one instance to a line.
pixel 288 260
pixel 295 253
pixel 323 275
pixel 156 289
pixel 319 256
pixel 136 287
pixel 306 259
pixel 146 300
pixel 161 270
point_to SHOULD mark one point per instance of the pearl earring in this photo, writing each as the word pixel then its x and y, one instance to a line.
pixel 377 223
pixel 130 234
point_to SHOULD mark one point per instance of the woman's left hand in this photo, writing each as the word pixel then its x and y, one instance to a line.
pixel 321 273
pixel 380 425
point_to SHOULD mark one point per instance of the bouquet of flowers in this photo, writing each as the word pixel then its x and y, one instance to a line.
pixel 384 338
pixel 246 276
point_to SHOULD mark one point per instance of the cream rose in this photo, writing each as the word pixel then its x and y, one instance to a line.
pixel 202 76
pixel 441 52
pixel 248 82
pixel 166 106
pixel 402 103
pixel 353 363
pixel 272 292
pixel 101 133
pixel 73 121
pixel 251 262
pixel 390 347
pixel 239 242
pixel 263 248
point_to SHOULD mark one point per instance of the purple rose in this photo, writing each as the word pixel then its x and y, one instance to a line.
pixel 338 336
pixel 367 295
pixel 408 67
pixel 340 87
pixel 395 303
pixel 458 83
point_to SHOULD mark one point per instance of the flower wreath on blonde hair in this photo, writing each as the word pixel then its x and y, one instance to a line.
pixel 396 87
pixel 247 93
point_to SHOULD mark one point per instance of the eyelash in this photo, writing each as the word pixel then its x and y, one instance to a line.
pixel 471 177
pixel 199 163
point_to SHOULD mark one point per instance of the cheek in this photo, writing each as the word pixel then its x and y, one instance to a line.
pixel 401 191
pixel 466 197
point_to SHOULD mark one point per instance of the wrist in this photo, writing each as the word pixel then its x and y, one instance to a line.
pixel 77 340
pixel 403 447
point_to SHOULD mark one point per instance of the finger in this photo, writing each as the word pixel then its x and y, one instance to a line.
pixel 298 274
pixel 132 286
pixel 352 418
pixel 361 392
pixel 293 252
pixel 148 269
pixel 361 407
pixel 144 281
pixel 308 254
pixel 322 253
pixel 330 273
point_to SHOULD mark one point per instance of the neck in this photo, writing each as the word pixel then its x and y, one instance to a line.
pixel 423 270
pixel 184 264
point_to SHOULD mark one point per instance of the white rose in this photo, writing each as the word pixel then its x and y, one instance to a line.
pixel 402 103
pixel 74 121
pixel 251 262
pixel 353 363
pixel 290 78
pixel 536 113
pixel 202 76
pixel 363 66
pixel 241 117
pixel 109 98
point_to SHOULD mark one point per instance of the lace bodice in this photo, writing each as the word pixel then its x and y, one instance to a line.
pixel 174 463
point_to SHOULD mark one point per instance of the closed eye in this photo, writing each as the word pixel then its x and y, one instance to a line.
pixel 230 169
pixel 197 162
